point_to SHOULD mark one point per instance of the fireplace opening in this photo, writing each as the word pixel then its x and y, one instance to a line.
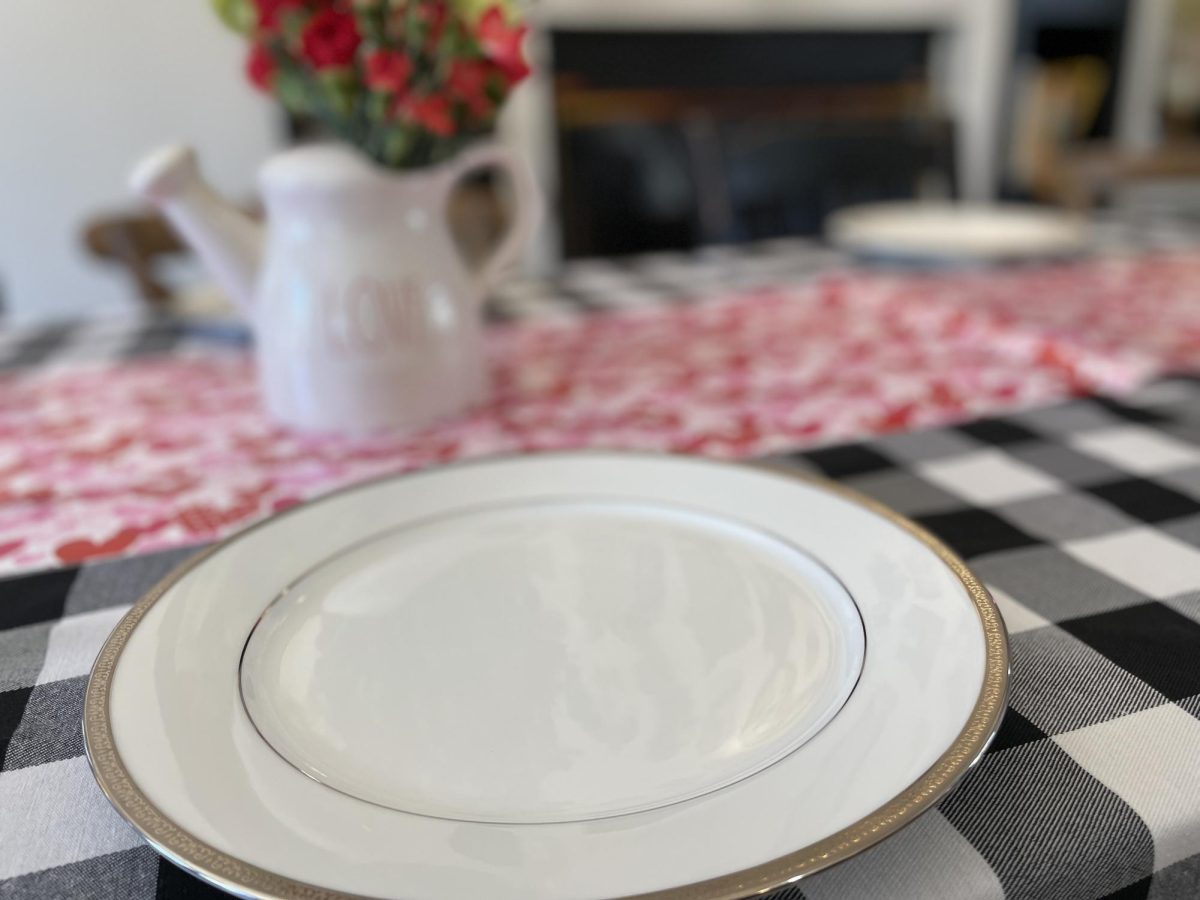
pixel 671 139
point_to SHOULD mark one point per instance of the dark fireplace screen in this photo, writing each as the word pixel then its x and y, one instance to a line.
pixel 667 140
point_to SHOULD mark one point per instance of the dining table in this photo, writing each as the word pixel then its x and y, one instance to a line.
pixel 1041 419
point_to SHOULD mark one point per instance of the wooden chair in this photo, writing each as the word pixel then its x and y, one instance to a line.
pixel 1062 101
pixel 1086 175
pixel 139 243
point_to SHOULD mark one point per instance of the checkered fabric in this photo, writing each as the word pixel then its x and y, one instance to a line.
pixel 1083 519
pixel 586 285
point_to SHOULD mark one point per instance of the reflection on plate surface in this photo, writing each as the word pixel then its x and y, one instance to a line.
pixel 610 656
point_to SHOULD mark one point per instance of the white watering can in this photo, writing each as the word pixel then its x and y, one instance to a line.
pixel 364 314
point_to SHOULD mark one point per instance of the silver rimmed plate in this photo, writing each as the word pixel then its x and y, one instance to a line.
pixel 561 676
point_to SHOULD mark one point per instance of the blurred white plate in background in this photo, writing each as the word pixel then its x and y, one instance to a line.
pixel 946 232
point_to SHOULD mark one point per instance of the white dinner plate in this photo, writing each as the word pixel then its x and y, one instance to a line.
pixel 561 676
pixel 957 233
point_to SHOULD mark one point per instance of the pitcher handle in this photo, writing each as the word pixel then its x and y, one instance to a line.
pixel 527 208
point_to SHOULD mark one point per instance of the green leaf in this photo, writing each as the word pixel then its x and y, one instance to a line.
pixel 237 15
pixel 291 26
pixel 291 91
pixel 340 89
pixel 377 106
pixel 473 9
pixel 397 146
pixel 372 21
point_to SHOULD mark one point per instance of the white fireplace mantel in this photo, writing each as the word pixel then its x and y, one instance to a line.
pixel 977 43
pixel 639 14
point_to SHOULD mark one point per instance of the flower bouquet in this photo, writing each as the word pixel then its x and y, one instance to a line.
pixel 408 82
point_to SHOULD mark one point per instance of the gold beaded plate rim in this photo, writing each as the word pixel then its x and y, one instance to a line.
pixel 244 879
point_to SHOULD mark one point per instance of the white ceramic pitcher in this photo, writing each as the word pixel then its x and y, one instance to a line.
pixel 365 316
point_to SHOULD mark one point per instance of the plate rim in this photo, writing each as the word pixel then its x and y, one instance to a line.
pixel 241 878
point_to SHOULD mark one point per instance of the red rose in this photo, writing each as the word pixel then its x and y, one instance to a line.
pixel 388 70
pixel 501 43
pixel 431 112
pixel 330 39
pixel 260 67
pixel 468 82
pixel 270 10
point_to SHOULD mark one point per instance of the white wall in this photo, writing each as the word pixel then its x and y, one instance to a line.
pixel 85 88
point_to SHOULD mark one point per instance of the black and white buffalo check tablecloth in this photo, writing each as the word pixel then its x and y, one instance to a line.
pixel 585 285
pixel 1083 519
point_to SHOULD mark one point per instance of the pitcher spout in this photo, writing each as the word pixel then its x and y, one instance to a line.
pixel 227 240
